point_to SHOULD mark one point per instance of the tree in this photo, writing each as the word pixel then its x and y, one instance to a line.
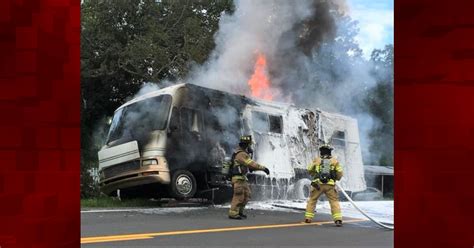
pixel 125 43
pixel 337 77
pixel 379 103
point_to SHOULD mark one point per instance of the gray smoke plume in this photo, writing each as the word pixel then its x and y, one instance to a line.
pixel 254 27
pixel 300 44
pixel 309 48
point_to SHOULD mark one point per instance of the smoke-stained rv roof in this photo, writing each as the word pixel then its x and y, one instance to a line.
pixel 171 90
pixel 168 90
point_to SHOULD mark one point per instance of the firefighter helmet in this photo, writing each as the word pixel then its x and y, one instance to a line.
pixel 325 149
pixel 326 146
pixel 247 139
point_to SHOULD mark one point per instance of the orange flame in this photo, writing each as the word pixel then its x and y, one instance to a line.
pixel 259 82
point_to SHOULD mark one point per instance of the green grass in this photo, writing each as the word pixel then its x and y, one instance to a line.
pixel 112 202
pixel 388 196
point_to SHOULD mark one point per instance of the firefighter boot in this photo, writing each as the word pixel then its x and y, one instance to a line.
pixel 242 215
pixel 241 212
pixel 307 220
pixel 338 223
pixel 235 217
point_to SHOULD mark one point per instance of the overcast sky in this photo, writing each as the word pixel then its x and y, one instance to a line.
pixel 375 19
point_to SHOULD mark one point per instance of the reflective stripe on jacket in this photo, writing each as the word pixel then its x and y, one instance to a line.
pixel 244 162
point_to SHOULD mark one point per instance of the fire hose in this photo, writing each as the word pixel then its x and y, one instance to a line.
pixel 391 227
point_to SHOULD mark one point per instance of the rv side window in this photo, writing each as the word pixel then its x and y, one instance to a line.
pixel 191 120
pixel 339 138
pixel 276 124
pixel 260 122
pixel 174 121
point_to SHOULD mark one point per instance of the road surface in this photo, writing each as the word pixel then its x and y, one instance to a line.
pixel 209 226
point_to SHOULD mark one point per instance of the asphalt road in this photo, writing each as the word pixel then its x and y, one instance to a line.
pixel 210 227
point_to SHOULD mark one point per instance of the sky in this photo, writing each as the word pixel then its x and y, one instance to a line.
pixel 375 19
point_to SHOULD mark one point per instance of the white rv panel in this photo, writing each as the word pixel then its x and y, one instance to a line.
pixel 118 154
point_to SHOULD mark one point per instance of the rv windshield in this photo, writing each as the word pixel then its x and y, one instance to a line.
pixel 137 120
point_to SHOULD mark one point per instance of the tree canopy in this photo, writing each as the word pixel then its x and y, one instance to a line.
pixel 379 103
pixel 125 43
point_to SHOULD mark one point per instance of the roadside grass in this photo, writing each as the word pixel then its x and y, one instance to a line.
pixel 388 196
pixel 113 202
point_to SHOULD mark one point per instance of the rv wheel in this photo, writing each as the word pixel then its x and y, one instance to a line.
pixel 183 185
pixel 302 188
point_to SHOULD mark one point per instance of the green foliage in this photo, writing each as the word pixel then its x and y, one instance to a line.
pixel 388 196
pixel 338 63
pixel 125 43
pixel 113 202
pixel 379 103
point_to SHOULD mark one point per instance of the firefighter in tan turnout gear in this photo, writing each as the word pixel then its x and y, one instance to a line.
pixel 242 164
pixel 325 170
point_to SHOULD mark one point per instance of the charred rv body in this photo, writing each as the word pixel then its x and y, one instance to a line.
pixel 172 143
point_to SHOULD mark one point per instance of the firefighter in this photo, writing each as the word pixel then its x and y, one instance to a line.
pixel 325 170
pixel 242 163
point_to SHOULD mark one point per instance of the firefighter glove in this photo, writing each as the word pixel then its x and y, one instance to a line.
pixel 332 174
pixel 267 171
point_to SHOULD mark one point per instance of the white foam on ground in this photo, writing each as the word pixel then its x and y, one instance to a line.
pixel 379 210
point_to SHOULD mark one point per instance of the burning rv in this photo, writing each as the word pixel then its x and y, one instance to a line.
pixel 172 143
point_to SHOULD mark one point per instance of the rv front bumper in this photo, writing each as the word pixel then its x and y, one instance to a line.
pixel 148 177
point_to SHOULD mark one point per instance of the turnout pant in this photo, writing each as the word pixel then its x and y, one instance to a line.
pixel 331 194
pixel 240 198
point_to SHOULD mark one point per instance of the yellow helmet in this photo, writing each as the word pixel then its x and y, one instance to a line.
pixel 326 146
pixel 325 150
pixel 246 139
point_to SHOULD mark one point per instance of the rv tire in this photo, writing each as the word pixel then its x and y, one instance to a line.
pixel 183 185
pixel 302 188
